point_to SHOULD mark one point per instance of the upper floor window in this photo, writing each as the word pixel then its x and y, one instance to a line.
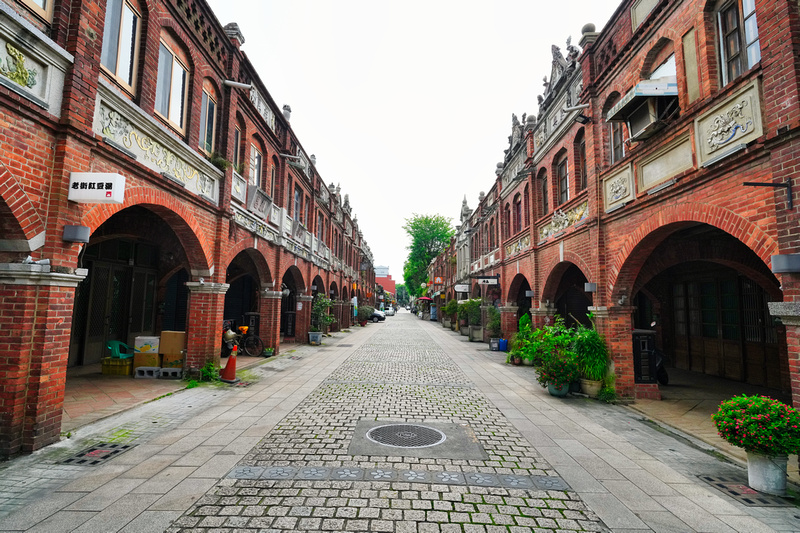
pixel 544 200
pixel 582 163
pixel 256 165
pixel 492 235
pixel 171 87
pixel 517 213
pixel 208 119
pixel 617 141
pixel 298 202
pixel 738 33
pixel 120 40
pixel 237 149
pixel 41 7
pixel 273 177
pixel 563 180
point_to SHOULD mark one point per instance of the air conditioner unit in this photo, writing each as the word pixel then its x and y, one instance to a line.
pixel 647 119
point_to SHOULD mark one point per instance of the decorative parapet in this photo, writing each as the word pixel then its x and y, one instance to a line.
pixel 261 105
pixel 126 127
pixel 561 220
pixel 255 224
pixel 523 243
pixel 239 187
pixel 31 64
pixel 730 126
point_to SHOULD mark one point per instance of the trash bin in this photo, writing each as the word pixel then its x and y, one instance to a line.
pixel 494 344
pixel 503 345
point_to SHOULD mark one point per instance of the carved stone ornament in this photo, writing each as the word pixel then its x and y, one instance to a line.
pixel 562 220
pixel 725 127
pixel 522 244
pixel 263 108
pixel 16 70
pixel 117 128
pixel 618 188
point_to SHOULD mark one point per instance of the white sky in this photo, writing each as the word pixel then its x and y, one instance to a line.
pixel 406 104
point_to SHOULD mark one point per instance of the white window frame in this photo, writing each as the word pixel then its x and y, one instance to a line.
pixel 171 104
pixel 208 101
pixel 43 8
pixel 741 31
pixel 127 42
pixel 237 148
pixel 256 165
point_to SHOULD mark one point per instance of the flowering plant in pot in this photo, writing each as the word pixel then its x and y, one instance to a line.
pixel 768 430
pixel 557 372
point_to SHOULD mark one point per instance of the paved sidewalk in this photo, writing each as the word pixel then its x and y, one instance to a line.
pixel 289 453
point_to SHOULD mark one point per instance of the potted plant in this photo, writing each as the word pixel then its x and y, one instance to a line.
pixel 493 324
pixel 364 313
pixel 557 372
pixel 768 430
pixel 474 319
pixel 592 355
pixel 463 307
pixel 320 319
pixel 268 352
pixel 450 311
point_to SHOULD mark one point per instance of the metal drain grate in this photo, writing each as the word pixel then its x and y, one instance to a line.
pixel 100 453
pixel 345 345
pixel 406 436
pixel 737 489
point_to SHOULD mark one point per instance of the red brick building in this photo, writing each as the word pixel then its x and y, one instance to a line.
pixel 658 184
pixel 149 182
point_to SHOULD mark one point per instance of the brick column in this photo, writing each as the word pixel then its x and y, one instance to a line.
pixel 270 309
pixel 337 314
pixel 204 324
pixel 302 319
pixel 36 306
pixel 789 313
pixel 616 324
pixel 541 316
pixel 509 321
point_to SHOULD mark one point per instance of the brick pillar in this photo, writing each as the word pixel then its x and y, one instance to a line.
pixel 204 324
pixel 36 306
pixel 616 324
pixel 542 316
pixel 789 313
pixel 270 309
pixel 509 321
pixel 303 319
pixel 336 311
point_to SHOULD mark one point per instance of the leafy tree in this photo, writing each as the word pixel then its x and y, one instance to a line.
pixel 402 295
pixel 430 235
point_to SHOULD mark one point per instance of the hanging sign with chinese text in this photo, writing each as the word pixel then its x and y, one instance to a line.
pixel 96 188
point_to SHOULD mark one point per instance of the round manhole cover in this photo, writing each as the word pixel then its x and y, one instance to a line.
pixel 406 436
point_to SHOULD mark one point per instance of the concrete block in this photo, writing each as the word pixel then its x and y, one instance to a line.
pixel 170 373
pixel 149 372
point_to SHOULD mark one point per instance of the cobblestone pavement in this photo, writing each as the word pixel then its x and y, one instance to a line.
pixel 304 448
pixel 303 476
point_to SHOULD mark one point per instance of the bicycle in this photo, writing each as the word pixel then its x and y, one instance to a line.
pixel 249 343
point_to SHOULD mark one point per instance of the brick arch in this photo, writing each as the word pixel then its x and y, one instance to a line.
pixel 641 242
pixel 297 276
pixel 256 255
pixel 513 289
pixel 556 271
pixel 174 212
pixel 28 223
pixel 663 43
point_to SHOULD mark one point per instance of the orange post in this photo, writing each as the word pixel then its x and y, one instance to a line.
pixel 229 374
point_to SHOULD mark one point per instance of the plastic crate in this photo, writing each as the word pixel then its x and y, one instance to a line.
pixel 111 366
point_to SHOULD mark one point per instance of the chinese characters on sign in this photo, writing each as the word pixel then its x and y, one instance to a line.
pixel 96 188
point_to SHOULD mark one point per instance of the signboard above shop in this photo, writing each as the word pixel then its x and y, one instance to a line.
pixel 96 188
pixel 462 288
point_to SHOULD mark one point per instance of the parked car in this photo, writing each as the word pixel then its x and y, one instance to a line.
pixel 389 311
pixel 377 316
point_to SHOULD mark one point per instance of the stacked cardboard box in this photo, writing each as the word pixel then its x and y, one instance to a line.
pixel 172 346
pixel 146 352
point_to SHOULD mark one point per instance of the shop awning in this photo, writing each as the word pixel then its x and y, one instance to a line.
pixel 661 87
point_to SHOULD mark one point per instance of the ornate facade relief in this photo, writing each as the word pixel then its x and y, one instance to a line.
pixel 562 220
pixel 263 108
pixel 618 189
pixel 522 244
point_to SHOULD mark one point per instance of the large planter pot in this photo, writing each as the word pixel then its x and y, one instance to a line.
pixel 315 338
pixel 527 362
pixel 591 387
pixel 445 323
pixel 767 473
pixel 476 333
pixel 556 391
pixel 465 330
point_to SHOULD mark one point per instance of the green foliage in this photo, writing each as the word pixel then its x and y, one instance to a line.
pixel 320 318
pixel 463 310
pixel 493 323
pixel 192 384
pixel 451 308
pixel 607 394
pixel 472 311
pixel 759 424
pixel 219 161
pixel 592 353
pixel 430 235
pixel 209 372
pixel 364 312
pixel 559 370
pixel 403 298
